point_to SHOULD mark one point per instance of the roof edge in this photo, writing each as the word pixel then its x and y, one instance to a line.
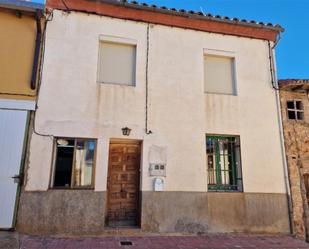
pixel 283 81
pixel 296 85
pixel 193 14
pixel 163 16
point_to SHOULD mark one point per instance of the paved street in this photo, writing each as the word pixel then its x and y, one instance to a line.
pixel 13 240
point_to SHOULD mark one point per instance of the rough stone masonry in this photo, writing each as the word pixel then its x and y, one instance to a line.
pixel 294 97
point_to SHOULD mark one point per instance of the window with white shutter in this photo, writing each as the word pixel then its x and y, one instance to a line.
pixel 219 75
pixel 117 63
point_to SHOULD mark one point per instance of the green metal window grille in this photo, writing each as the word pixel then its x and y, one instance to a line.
pixel 223 162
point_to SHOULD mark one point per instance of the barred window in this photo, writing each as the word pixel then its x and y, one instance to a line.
pixel 223 162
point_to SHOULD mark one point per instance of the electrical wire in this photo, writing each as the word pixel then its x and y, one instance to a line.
pixel 147 84
pixel 48 19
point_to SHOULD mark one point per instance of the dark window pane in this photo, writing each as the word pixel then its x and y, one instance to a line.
pixel 64 160
pixel 291 115
pixel 300 115
pixel 210 145
pixel 290 104
pixel 210 162
pixel 299 105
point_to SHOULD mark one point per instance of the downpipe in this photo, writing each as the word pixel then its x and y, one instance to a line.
pixel 275 86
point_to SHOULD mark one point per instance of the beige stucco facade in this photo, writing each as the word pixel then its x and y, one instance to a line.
pixel 180 113
pixel 73 104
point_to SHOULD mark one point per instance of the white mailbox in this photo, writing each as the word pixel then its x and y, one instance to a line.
pixel 158 184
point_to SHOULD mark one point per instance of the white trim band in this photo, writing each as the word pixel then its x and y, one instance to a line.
pixel 17 104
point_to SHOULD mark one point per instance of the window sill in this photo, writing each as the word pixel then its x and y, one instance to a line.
pixel 224 191
pixel 117 84
pixel 59 188
pixel 297 120
pixel 223 94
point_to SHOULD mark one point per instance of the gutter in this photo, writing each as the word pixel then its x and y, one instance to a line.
pixel 37 49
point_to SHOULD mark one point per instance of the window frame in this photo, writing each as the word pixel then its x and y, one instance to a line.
pixel 54 160
pixel 221 187
pixel 295 110
pixel 221 54
pixel 120 41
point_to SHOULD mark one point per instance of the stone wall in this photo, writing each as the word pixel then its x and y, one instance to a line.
pixel 296 134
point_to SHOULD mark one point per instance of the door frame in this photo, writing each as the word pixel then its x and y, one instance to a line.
pixel 21 166
pixel 139 201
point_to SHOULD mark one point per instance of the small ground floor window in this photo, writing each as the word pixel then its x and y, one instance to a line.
pixel 223 162
pixel 74 163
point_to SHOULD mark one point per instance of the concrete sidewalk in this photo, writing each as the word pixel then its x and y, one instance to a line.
pixel 14 240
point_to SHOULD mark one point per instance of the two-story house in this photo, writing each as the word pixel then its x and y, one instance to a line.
pixel 20 36
pixel 161 119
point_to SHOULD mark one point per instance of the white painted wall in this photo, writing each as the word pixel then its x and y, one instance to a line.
pixel 73 104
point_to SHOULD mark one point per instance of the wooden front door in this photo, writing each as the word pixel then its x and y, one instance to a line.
pixel 123 183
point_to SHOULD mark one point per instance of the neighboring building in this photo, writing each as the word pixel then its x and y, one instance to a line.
pixel 19 56
pixel 154 118
pixel 294 96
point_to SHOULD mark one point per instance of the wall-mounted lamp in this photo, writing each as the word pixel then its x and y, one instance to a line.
pixel 126 131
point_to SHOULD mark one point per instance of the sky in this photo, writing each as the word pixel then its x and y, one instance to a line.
pixel 293 49
pixel 292 52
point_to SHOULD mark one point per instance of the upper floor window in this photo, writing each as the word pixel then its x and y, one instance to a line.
pixel 74 163
pixel 223 163
pixel 219 75
pixel 117 63
pixel 295 110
